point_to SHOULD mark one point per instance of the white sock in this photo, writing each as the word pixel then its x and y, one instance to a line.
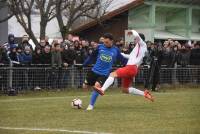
pixel 135 91
pixel 107 83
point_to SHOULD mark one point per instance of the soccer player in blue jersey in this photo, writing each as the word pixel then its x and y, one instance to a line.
pixel 106 55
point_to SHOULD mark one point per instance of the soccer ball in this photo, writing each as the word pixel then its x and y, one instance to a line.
pixel 76 103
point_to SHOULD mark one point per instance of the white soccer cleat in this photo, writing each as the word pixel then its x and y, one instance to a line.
pixel 89 108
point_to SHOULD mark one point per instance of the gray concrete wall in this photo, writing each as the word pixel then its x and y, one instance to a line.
pixel 3 26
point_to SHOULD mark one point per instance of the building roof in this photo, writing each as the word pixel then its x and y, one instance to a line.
pixel 126 7
pixel 108 15
pixel 188 2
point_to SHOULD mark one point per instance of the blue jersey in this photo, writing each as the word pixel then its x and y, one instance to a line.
pixel 105 58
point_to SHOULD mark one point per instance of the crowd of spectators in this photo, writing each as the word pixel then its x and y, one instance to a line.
pixel 56 54
pixel 171 52
pixel 66 53
pixel 73 51
pixel 70 51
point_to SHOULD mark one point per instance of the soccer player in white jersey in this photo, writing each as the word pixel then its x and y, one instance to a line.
pixel 128 72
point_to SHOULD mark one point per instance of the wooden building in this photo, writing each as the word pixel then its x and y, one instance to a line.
pixel 157 19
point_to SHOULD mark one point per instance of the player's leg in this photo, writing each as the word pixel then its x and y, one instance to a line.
pixel 94 96
pixel 108 82
pixel 144 93
pixel 99 82
pixel 131 90
pixel 90 81
pixel 128 71
pixel 135 91
pixel 126 82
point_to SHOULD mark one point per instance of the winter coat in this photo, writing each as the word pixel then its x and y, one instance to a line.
pixel 195 56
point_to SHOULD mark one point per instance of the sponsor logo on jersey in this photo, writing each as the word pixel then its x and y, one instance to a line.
pixel 106 58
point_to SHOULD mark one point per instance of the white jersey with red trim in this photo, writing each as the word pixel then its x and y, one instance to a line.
pixel 137 54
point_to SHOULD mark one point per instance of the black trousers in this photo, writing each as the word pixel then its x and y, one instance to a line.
pixel 153 76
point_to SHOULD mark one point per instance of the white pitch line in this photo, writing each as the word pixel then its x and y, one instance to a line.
pixel 42 98
pixel 51 130
pixel 52 98
pixel 66 97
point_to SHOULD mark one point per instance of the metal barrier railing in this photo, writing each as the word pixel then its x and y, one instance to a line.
pixel 46 77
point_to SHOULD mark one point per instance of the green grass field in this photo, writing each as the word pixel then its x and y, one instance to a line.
pixel 173 112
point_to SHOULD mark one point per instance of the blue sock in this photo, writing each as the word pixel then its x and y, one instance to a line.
pixel 93 98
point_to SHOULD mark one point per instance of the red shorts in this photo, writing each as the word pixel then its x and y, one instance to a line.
pixel 127 74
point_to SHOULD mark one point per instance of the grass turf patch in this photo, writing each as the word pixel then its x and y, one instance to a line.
pixel 174 111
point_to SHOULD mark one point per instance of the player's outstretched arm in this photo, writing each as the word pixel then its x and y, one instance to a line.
pixel 127 56
pixel 121 58
pixel 135 33
pixel 138 39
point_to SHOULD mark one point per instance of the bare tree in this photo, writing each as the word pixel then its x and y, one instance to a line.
pixel 65 11
pixel 47 13
pixel 68 12
pixel 22 12
pixel 23 9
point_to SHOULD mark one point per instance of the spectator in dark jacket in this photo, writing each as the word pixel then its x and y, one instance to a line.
pixel 79 53
pixel 195 61
pixel 167 54
pixel 46 55
pixel 175 56
pixel 195 55
pixel 42 44
pixel 56 59
pixel 68 56
pixel 13 54
pixel 39 74
pixel 20 54
pixel 184 60
pixel 184 56
pixel 154 58
pixel 84 48
pixel 37 56
pixel 3 56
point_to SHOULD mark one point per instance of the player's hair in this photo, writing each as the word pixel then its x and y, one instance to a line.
pixel 108 36
pixel 142 36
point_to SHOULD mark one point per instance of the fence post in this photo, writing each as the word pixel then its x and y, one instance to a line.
pixel 174 70
pixel 10 76
pixel 73 75
pixel 26 78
